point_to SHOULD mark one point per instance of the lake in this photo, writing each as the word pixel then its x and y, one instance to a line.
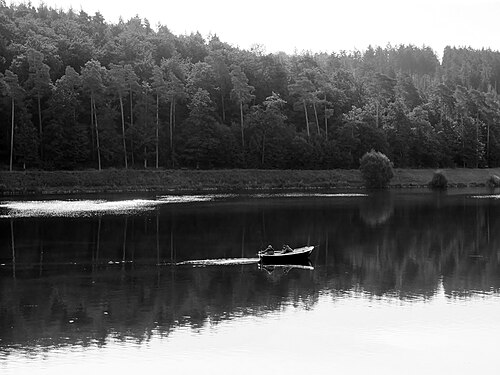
pixel 403 282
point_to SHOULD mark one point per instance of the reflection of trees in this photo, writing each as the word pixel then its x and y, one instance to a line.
pixel 377 208
pixel 84 308
pixel 409 254
pixel 404 257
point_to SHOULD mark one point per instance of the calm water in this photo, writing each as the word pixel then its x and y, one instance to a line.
pixel 399 283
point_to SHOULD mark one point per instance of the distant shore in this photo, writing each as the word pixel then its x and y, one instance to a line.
pixel 209 181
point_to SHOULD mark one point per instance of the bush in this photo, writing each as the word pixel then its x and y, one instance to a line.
pixel 439 181
pixel 376 170
pixel 493 181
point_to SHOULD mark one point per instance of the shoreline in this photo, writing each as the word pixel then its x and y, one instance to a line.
pixel 33 183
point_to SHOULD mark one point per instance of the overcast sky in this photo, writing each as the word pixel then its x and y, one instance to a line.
pixel 315 25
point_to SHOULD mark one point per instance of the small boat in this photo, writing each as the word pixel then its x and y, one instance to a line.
pixel 296 256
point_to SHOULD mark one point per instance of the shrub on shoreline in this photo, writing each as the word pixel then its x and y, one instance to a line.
pixel 376 170
pixel 493 181
pixel 439 181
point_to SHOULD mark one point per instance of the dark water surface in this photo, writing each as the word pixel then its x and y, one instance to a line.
pixel 404 282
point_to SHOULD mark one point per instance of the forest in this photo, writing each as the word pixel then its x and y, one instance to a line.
pixel 78 92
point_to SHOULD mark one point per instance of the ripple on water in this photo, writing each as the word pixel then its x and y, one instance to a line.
pixel 74 208
pixel 316 195
pixel 489 196
pixel 70 208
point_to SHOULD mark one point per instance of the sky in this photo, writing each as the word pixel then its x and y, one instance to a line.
pixel 315 25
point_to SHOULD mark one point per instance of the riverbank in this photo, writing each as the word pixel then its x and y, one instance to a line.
pixel 181 181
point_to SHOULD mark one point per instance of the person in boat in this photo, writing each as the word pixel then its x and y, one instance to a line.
pixel 269 250
pixel 286 249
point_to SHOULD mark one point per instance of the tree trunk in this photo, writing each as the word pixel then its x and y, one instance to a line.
pixel 132 125
pixel 12 136
pixel 40 126
pixel 157 127
pixel 146 118
pixel 131 109
pixel 132 160
pixel 241 119
pixel 263 148
pixel 97 135
pixel 223 108
pixel 173 143
pixel 123 134
pixel 326 124
pixel 463 140
pixel 488 145
pixel 307 120
pixel 316 116
pixel 477 140
pixel 92 128
pixel 172 131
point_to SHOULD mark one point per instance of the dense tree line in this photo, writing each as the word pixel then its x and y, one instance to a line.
pixel 79 92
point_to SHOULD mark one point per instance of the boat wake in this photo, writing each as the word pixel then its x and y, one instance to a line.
pixel 490 196
pixel 219 262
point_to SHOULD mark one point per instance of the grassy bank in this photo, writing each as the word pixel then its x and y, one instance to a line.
pixel 178 181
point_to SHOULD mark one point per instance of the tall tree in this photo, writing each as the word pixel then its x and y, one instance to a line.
pixel 218 60
pixel 241 93
pixel 92 77
pixel 263 120
pixel 142 134
pixel 303 89
pixel 160 89
pixel 132 82
pixel 67 143
pixel 12 88
pixel 175 76
pixel 382 90
pixel 119 85
pixel 25 144
pixel 39 84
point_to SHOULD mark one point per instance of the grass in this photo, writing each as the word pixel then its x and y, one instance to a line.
pixel 179 181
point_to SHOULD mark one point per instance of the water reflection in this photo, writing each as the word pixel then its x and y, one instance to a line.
pixel 377 208
pixel 83 280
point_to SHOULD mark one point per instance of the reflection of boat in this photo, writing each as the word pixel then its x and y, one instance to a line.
pixel 296 256
pixel 286 267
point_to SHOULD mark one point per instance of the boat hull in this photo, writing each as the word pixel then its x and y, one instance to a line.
pixel 297 256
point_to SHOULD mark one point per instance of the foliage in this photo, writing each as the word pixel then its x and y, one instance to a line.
pixel 91 94
pixel 439 181
pixel 493 181
pixel 376 170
